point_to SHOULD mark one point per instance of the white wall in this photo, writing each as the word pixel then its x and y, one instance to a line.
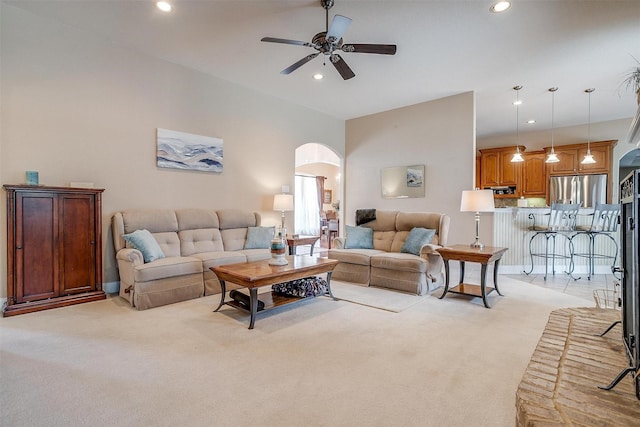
pixel 76 107
pixel 439 134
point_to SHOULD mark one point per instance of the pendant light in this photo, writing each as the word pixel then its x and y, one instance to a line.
pixel 552 157
pixel 588 158
pixel 517 157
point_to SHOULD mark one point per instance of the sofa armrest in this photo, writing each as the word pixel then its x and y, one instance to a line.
pixel 132 256
pixel 430 249
pixel 338 242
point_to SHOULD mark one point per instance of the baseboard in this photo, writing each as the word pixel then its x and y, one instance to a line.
pixel 111 287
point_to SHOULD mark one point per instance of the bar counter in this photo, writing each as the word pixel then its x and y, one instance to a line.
pixel 510 229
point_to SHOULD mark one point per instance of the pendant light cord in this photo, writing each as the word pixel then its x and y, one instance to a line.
pixel 589 122
pixel 553 94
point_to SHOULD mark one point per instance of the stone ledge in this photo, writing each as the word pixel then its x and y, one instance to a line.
pixel 560 384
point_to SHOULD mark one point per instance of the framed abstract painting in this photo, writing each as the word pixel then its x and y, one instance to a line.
pixel 180 150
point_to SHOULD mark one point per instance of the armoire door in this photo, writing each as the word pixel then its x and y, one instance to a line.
pixel 77 231
pixel 36 250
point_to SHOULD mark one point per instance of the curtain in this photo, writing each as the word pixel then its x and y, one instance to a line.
pixel 307 209
pixel 320 185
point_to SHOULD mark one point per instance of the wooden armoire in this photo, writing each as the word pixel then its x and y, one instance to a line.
pixel 54 247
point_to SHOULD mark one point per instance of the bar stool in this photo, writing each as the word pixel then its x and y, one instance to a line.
pixel 603 223
pixel 562 222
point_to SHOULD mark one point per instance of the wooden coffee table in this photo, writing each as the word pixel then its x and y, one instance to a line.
pixel 484 256
pixel 253 275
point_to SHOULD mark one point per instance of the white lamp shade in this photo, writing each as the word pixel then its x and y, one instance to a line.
pixel 283 202
pixel 477 201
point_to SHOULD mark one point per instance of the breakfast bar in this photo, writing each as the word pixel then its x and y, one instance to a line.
pixel 510 229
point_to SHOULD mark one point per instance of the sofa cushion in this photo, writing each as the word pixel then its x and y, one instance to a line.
pixel 169 242
pixel 417 238
pixel 201 240
pixel 233 218
pixel 167 267
pixel 259 237
pixel 214 259
pixel 144 241
pixel 405 221
pixel 233 239
pixel 359 238
pixel 154 220
pixel 383 240
pixel 399 261
pixel 354 256
pixel 257 254
pixel 385 221
pixel 192 219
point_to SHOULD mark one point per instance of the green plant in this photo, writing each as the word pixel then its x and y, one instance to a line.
pixel 632 79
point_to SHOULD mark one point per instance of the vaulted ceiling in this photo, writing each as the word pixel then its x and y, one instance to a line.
pixel 444 48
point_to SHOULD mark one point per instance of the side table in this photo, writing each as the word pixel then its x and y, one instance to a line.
pixel 484 256
pixel 299 241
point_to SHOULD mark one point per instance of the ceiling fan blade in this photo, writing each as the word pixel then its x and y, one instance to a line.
pixel 299 64
pixel 338 26
pixel 381 49
pixel 285 41
pixel 342 67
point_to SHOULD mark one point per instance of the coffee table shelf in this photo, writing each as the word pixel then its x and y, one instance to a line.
pixel 270 300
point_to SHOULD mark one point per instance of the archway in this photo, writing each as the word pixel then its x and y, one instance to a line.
pixel 316 160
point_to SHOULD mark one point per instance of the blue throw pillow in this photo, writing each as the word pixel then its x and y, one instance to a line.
pixel 417 238
pixel 143 241
pixel 259 237
pixel 359 238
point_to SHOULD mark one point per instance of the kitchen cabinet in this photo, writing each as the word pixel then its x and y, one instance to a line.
pixel 571 156
pixel 534 178
pixel 54 247
pixel 497 170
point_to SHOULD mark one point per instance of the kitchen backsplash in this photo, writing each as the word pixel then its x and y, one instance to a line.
pixel 533 202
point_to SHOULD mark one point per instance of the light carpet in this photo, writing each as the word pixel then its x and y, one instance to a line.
pixel 379 298
pixel 448 362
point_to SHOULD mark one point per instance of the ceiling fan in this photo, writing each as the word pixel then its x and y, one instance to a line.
pixel 330 41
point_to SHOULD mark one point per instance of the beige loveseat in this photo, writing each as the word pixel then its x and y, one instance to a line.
pixel 192 240
pixel 385 265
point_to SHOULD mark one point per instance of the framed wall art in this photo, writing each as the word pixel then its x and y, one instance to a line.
pixel 327 197
pixel 180 150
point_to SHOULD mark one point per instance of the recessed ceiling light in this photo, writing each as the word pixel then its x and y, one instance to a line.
pixel 164 6
pixel 318 76
pixel 500 6
pixel 530 122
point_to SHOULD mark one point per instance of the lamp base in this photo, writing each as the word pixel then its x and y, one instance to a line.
pixel 477 245
pixel 278 260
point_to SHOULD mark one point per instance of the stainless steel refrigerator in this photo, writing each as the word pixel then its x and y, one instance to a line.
pixel 584 189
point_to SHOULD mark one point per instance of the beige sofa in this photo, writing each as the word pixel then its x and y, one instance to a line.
pixel 192 240
pixel 384 265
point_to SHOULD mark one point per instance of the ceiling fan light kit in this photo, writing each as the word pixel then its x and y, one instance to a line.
pixel 330 41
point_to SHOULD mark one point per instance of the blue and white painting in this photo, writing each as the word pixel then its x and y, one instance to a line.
pixel 414 176
pixel 179 150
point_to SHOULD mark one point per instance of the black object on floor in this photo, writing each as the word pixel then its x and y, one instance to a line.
pixel 244 299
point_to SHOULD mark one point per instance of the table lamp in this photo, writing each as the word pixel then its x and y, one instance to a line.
pixel 477 201
pixel 282 203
